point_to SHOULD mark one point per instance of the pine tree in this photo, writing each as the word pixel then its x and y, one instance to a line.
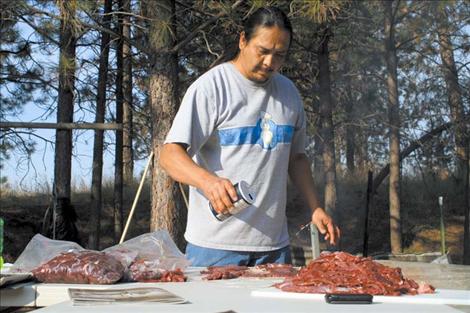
pixel 97 170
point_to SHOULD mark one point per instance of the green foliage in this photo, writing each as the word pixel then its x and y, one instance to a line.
pixel 319 11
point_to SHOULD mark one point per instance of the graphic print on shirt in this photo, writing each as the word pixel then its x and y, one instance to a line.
pixel 266 133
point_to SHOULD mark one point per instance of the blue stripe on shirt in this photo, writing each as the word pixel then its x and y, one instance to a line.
pixel 254 135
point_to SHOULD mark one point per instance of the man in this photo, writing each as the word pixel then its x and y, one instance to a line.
pixel 242 120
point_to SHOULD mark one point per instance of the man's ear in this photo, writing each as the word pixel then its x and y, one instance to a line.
pixel 242 42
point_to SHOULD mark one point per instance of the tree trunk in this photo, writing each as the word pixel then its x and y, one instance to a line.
pixel 454 93
pixel 326 120
pixel 394 120
pixel 167 205
pixel 63 145
pixel 118 166
pixel 362 151
pixel 128 153
pixel 318 152
pixel 462 139
pixel 466 232
pixel 350 128
pixel 97 171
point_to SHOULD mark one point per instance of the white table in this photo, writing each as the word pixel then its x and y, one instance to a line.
pixel 230 296
pixel 204 296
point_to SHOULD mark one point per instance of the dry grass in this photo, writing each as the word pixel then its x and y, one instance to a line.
pixel 23 213
pixel 419 212
pixel 429 239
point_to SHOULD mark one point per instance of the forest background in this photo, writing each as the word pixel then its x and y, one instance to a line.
pixel 385 86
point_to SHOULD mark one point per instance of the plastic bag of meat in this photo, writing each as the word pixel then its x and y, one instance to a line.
pixel 39 250
pixel 80 267
pixel 146 271
pixel 150 257
pixel 122 254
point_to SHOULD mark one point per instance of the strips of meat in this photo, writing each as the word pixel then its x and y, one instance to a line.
pixel 342 272
pixel 223 272
pixel 143 270
pixel 80 267
pixel 259 271
pixel 271 270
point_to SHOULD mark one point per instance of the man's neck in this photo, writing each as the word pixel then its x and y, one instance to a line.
pixel 239 66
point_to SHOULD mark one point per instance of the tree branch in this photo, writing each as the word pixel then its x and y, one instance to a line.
pixel 407 151
pixel 194 33
pixel 21 50
pixel 400 44
pixel 39 30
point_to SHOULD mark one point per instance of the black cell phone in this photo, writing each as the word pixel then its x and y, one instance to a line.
pixel 335 298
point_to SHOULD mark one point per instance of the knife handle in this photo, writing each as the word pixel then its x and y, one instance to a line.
pixel 335 298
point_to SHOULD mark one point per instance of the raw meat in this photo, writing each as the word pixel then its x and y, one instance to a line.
pixel 80 267
pixel 271 270
pixel 341 272
pixel 259 271
pixel 148 271
pixel 223 272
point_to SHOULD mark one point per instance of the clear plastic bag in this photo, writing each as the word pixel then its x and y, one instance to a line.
pixel 39 250
pixel 80 267
pixel 149 255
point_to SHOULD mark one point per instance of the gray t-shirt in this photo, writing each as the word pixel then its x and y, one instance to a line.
pixel 241 130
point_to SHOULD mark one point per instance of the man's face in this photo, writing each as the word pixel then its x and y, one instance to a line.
pixel 264 54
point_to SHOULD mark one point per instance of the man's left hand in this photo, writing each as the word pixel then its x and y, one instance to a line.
pixel 325 225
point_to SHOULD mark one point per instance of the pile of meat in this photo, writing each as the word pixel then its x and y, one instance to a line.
pixel 93 267
pixel 223 272
pixel 259 271
pixel 143 270
pixel 80 267
pixel 341 272
pixel 271 270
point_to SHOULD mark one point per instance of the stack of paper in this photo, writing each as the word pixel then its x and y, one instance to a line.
pixel 13 278
pixel 81 296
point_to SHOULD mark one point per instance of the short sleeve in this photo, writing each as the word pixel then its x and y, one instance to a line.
pixel 299 137
pixel 195 120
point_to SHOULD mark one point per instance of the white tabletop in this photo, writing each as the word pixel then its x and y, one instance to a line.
pixel 235 296
pixel 203 296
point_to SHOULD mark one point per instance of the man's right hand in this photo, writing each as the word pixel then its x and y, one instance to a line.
pixel 174 159
pixel 220 192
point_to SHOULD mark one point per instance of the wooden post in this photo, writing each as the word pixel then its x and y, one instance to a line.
pixel 315 241
pixel 466 232
pixel 103 126
pixel 136 199
pixel 365 246
pixel 443 229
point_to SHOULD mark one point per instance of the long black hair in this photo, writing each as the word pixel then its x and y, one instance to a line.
pixel 266 17
pixel 263 17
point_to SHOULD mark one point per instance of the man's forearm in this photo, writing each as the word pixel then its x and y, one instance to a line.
pixel 176 162
pixel 218 190
pixel 301 175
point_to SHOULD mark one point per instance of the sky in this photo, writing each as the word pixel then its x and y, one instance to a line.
pixel 38 175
